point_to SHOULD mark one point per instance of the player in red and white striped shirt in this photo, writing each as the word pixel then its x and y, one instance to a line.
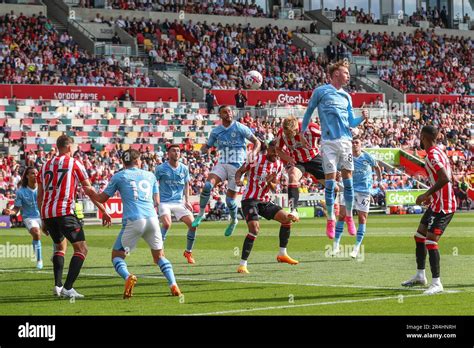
pixel 442 206
pixel 263 174
pixel 57 184
pixel 303 156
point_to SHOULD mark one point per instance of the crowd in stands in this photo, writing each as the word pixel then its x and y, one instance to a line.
pixel 207 7
pixel 423 62
pixel 32 51
pixel 435 17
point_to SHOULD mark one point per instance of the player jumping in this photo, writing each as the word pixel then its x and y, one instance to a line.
pixel 336 116
pixel 263 175
pixel 139 191
pixel 439 214
pixel 364 163
pixel 301 159
pixel 26 202
pixel 173 179
pixel 230 140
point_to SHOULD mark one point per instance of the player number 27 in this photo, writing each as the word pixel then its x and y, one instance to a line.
pixel 143 186
pixel 49 176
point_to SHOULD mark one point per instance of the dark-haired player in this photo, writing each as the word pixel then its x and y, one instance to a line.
pixel 139 192
pixel 442 205
pixel 57 187
pixel 263 174
pixel 229 137
pixel 173 179
pixel 26 202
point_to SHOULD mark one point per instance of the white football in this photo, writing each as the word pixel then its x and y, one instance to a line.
pixel 253 80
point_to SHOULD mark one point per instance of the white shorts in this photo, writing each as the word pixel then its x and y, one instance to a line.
pixel 226 172
pixel 32 223
pixel 361 201
pixel 132 231
pixel 337 155
pixel 178 209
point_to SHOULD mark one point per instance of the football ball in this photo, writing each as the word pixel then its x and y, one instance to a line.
pixel 253 80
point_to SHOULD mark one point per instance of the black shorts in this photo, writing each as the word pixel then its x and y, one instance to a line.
pixel 252 208
pixel 436 222
pixel 67 226
pixel 314 167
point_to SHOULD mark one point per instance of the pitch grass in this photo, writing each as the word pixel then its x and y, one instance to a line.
pixel 319 285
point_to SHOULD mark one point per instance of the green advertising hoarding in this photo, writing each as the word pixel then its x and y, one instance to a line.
pixel 402 197
pixel 389 156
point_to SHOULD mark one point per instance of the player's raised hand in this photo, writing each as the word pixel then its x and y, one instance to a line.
pixel 304 142
pixel 106 219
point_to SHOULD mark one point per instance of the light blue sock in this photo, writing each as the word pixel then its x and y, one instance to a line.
pixel 232 207
pixel 339 230
pixel 121 267
pixel 348 195
pixel 360 234
pixel 167 269
pixel 190 239
pixel 204 198
pixel 329 197
pixel 37 249
pixel 164 231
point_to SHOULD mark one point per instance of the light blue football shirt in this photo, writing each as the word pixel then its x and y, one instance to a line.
pixel 231 143
pixel 172 181
pixel 335 113
pixel 136 187
pixel 362 175
pixel 26 200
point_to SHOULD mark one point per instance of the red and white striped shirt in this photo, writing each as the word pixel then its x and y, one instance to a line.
pixel 294 145
pixel 59 178
pixel 443 200
pixel 258 171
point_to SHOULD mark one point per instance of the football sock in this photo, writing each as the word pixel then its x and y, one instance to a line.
pixel 293 196
pixel 339 231
pixel 204 199
pixel 37 249
pixel 433 252
pixel 121 267
pixel 58 266
pixel 329 197
pixel 248 245
pixel 77 260
pixel 360 234
pixel 284 235
pixel 348 195
pixel 190 239
pixel 232 207
pixel 167 269
pixel 420 251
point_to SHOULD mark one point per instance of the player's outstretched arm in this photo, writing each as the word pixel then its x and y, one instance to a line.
pixel 378 172
pixel 313 103
pixel 285 156
pixel 355 121
pixel 97 199
pixel 239 173
pixel 443 179
pixel 256 145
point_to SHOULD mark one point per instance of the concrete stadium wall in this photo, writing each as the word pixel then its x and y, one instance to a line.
pixel 337 27
pixel 100 30
pixel 27 10
pixel 89 14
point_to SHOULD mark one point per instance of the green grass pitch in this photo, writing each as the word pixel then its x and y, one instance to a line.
pixel 319 285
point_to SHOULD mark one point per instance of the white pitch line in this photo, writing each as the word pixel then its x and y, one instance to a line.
pixel 304 305
pixel 150 276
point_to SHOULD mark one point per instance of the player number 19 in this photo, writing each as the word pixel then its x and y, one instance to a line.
pixel 143 186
